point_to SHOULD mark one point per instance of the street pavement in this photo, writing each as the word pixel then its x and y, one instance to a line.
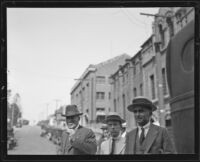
pixel 30 142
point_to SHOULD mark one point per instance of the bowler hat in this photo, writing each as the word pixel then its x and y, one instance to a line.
pixel 142 101
pixel 71 110
pixel 114 116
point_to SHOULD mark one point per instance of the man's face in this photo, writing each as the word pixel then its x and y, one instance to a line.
pixel 142 115
pixel 114 127
pixel 72 121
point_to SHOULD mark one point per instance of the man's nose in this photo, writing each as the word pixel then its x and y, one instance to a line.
pixel 137 113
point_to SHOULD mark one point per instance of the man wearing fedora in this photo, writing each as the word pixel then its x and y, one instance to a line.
pixel 147 138
pixel 116 143
pixel 77 140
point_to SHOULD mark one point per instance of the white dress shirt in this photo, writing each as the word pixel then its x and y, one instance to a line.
pixel 146 129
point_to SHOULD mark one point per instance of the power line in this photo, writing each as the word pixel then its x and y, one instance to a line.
pixel 130 18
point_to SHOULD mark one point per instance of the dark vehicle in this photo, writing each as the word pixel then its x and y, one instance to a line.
pixel 19 125
pixel 180 77
pixel 25 122
pixel 11 141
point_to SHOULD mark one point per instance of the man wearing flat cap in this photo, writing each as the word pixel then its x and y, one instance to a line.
pixel 77 140
pixel 116 143
pixel 147 138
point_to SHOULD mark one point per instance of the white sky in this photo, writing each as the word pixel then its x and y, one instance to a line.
pixel 50 47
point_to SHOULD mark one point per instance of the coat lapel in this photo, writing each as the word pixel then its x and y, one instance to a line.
pixel 151 135
pixel 122 145
pixel 132 138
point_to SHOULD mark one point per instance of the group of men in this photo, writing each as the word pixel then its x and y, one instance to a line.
pixel 147 138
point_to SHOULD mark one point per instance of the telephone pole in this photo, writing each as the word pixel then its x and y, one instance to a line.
pixel 47 107
pixel 56 114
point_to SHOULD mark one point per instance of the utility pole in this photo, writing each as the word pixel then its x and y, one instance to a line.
pixel 161 107
pixel 56 100
pixel 47 104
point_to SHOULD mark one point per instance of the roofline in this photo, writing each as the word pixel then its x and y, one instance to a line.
pixel 146 40
pixel 90 68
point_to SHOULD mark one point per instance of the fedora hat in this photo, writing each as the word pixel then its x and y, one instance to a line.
pixel 114 116
pixel 104 126
pixel 142 101
pixel 71 110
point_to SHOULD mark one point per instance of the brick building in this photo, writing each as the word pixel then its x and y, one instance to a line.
pixel 145 73
pixel 92 92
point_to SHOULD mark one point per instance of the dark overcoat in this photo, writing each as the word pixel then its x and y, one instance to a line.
pixel 157 141
pixel 84 142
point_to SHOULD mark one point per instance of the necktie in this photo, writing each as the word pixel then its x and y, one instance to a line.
pixel 142 137
pixel 113 147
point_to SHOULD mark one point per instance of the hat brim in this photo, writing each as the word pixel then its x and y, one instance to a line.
pixel 71 114
pixel 122 120
pixel 150 106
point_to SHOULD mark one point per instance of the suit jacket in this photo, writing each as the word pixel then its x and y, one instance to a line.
pixel 157 141
pixel 84 142
pixel 106 145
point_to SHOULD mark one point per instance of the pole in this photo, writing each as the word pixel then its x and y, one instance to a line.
pixel 159 76
pixel 56 100
pixel 47 109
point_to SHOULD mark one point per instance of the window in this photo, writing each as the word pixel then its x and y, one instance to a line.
pixel 126 76
pixel 100 109
pixel 83 94
pixel 123 78
pixel 141 89
pixel 134 70
pixel 135 92
pixel 152 82
pixel 164 81
pixel 100 95
pixel 100 114
pixel 100 79
pixel 109 95
pixel 162 35
pixel 137 68
pixel 168 120
pixel 124 105
pixel 115 105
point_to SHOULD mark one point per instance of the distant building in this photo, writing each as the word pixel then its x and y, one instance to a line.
pixel 92 91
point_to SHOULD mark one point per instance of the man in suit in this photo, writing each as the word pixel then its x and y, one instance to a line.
pixel 76 140
pixel 147 138
pixel 116 143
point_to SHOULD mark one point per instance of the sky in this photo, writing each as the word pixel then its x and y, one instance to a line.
pixel 48 48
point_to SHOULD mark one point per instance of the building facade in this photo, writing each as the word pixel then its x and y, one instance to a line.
pixel 145 73
pixel 92 91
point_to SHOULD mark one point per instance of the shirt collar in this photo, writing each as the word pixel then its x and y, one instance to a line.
pixel 76 127
pixel 118 137
pixel 146 126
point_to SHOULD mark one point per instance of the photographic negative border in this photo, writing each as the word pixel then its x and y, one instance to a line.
pixel 93 4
